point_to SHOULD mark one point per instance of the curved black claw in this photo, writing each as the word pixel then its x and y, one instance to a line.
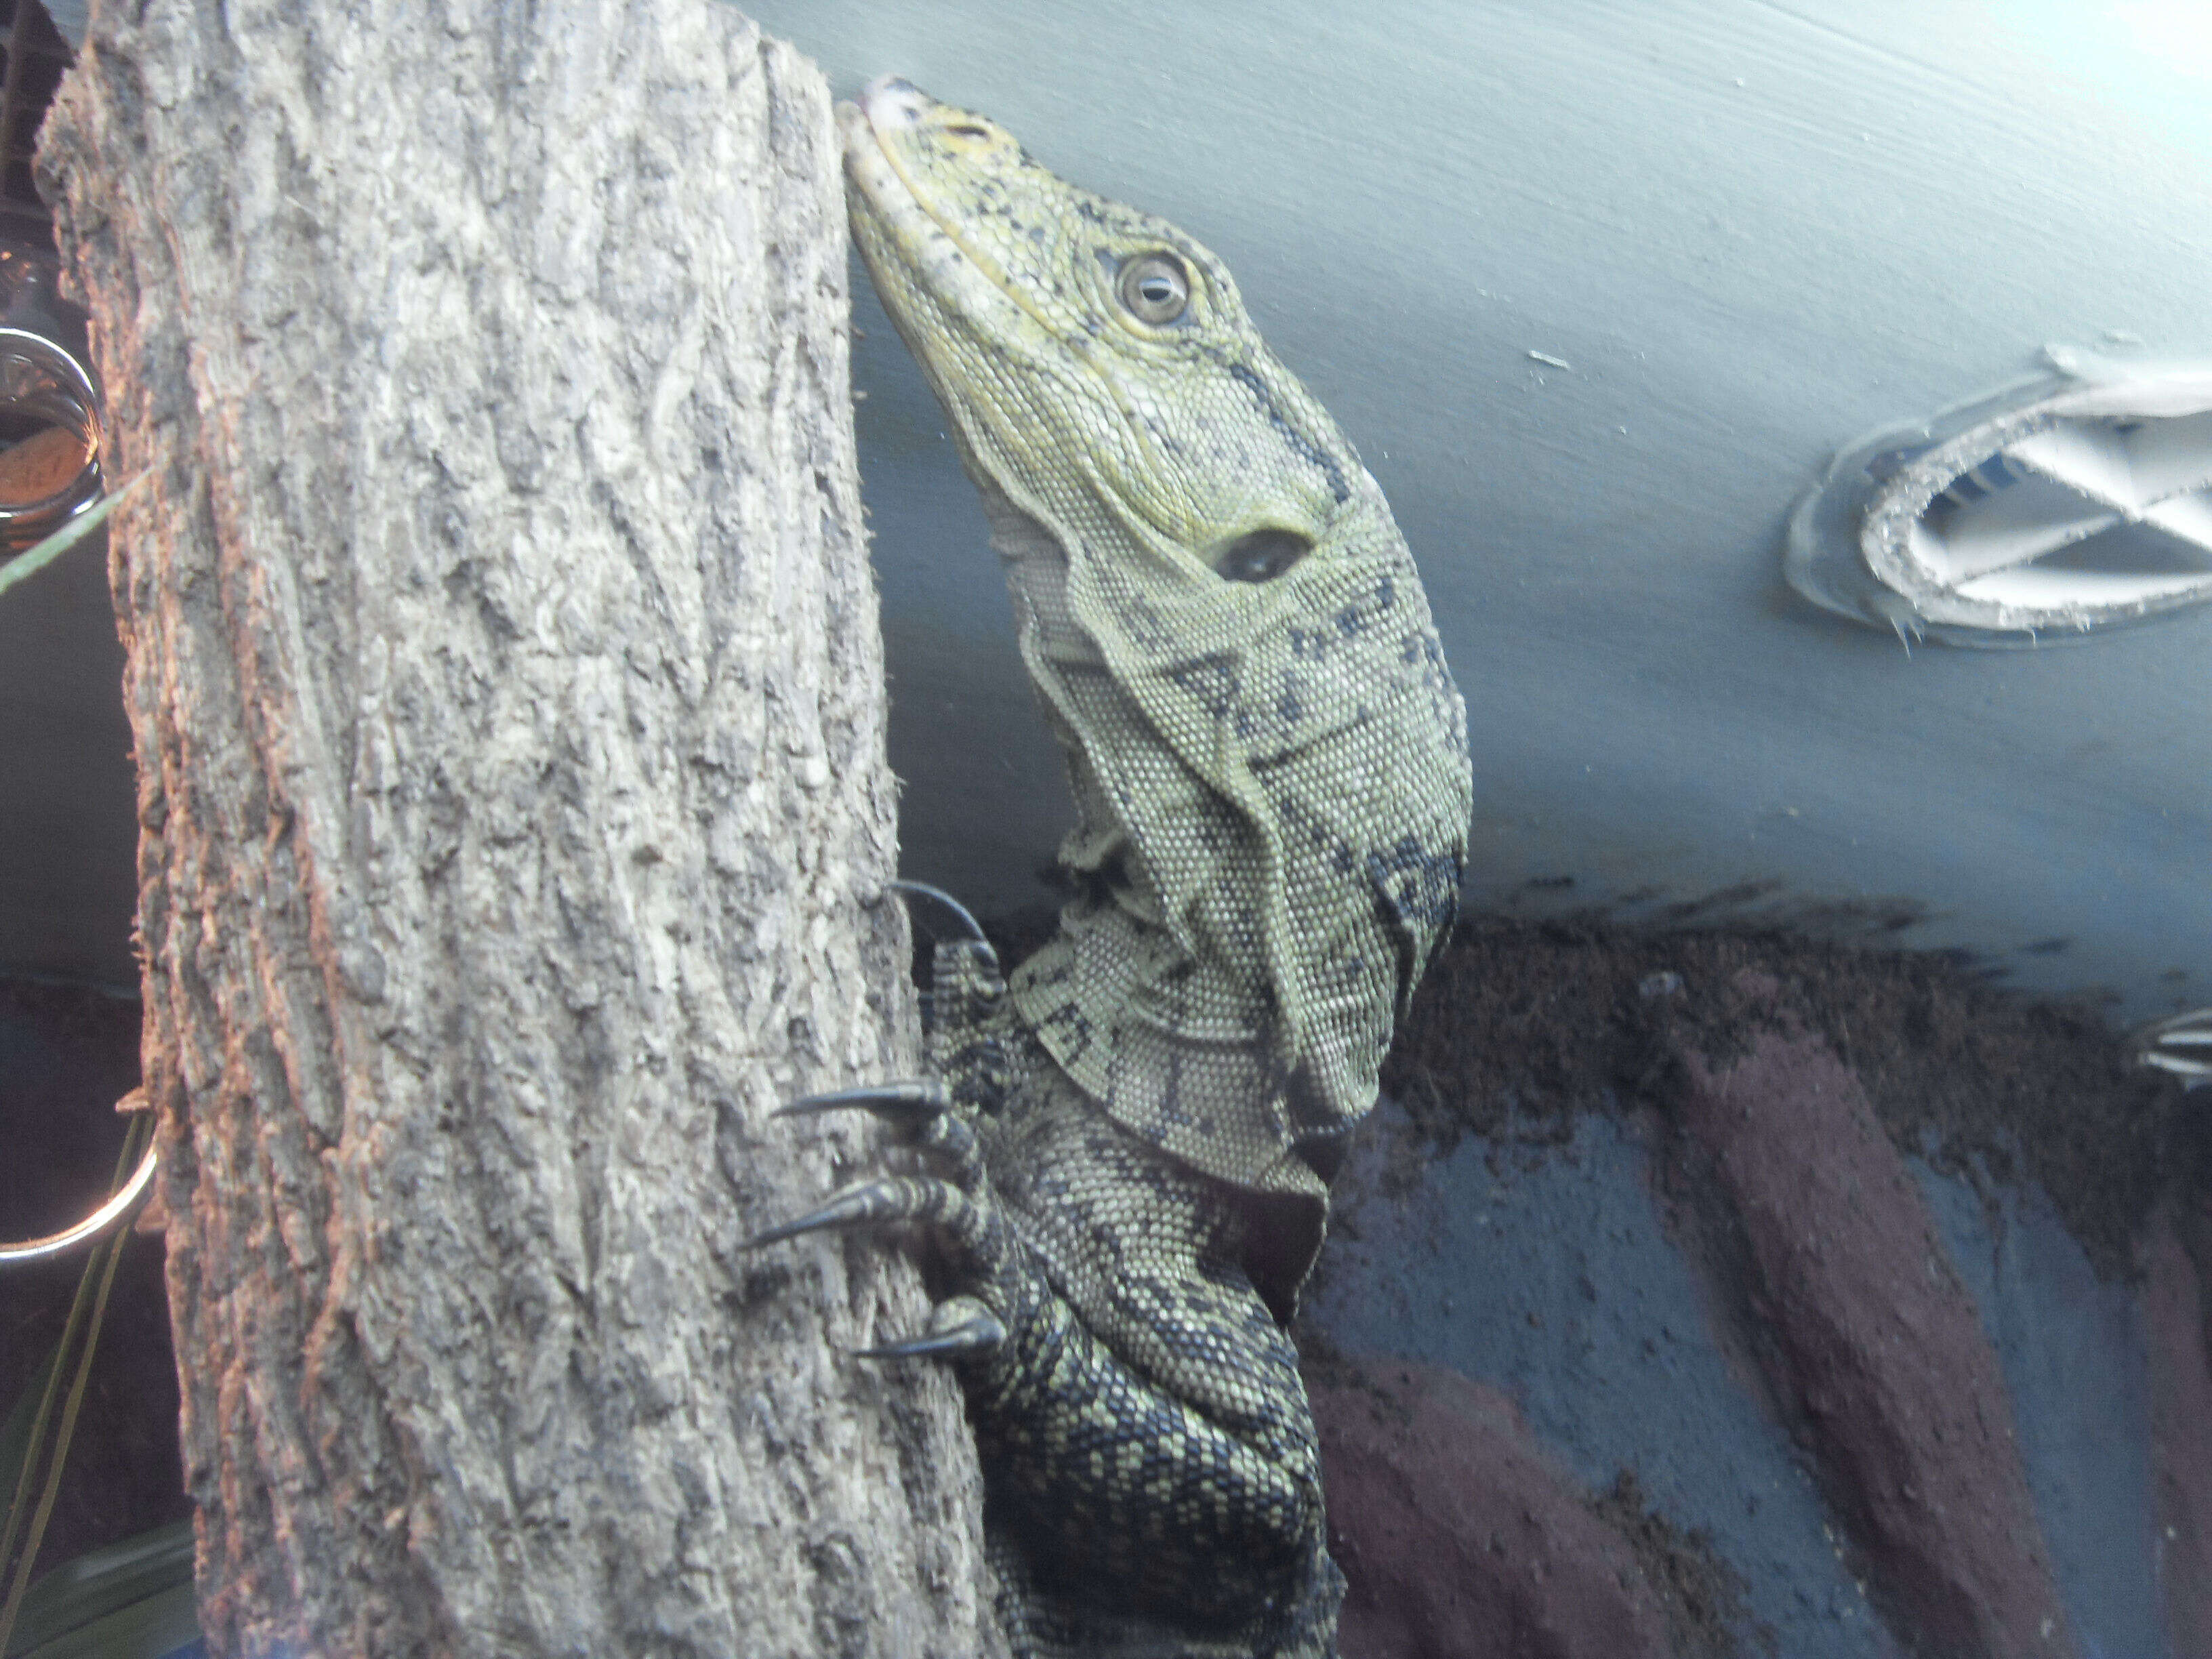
pixel 960 912
pixel 921 1110
pixel 905 1102
pixel 897 1198
pixel 856 1206
pixel 977 1332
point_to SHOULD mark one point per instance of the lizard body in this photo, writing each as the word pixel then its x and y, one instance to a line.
pixel 1228 636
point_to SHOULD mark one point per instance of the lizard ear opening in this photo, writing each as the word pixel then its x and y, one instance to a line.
pixel 1260 557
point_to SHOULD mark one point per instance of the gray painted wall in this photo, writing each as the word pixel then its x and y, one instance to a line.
pixel 1755 231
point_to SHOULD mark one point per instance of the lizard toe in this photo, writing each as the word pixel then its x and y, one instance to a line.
pixel 961 1329
pixel 920 1111
pixel 965 1222
pixel 905 1103
pixel 960 913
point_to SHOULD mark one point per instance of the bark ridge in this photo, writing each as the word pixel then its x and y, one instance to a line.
pixel 508 701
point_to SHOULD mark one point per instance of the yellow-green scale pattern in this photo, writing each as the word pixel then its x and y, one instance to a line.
pixel 1228 636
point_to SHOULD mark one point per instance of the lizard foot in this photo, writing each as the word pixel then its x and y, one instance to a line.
pixel 995 1279
pixel 957 1205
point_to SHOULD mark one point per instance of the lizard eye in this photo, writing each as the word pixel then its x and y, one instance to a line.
pixel 1156 288
pixel 1260 556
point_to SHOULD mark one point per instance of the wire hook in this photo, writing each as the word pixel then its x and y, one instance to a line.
pixel 98 1224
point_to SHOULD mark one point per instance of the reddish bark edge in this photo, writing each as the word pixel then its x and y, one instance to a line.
pixel 1461 1539
pixel 1878 1344
pixel 2174 1314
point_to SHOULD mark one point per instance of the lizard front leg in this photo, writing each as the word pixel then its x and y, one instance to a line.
pixel 1168 1462
pixel 1152 1477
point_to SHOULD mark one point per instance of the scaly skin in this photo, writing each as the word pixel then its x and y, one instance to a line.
pixel 1134 1139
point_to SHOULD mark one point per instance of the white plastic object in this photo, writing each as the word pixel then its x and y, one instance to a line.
pixel 2076 501
pixel 2181 1046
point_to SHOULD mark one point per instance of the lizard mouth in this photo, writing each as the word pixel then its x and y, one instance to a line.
pixel 894 218
pixel 884 193
pixel 891 100
pixel 895 103
pixel 877 189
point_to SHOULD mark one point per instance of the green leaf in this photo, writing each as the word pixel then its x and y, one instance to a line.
pixel 128 1600
pixel 30 563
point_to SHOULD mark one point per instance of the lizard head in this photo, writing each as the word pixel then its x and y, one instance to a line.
pixel 1094 358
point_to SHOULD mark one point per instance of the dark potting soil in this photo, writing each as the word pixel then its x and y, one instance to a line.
pixel 1520 1024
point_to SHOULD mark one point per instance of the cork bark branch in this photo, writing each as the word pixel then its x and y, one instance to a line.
pixel 504 672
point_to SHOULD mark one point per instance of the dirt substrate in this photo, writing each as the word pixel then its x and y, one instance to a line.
pixel 1522 1025
pixel 1459 1537
pixel 1874 1346
pixel 1792 1081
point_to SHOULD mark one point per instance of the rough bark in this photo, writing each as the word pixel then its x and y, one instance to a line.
pixel 504 671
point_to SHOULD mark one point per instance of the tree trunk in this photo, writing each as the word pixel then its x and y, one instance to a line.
pixel 508 711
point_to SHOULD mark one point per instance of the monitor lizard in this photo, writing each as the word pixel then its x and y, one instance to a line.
pixel 1129 1144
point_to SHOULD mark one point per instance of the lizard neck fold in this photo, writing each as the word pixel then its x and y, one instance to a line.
pixel 1268 838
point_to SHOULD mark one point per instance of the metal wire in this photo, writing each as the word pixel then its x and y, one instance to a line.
pixel 110 1215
